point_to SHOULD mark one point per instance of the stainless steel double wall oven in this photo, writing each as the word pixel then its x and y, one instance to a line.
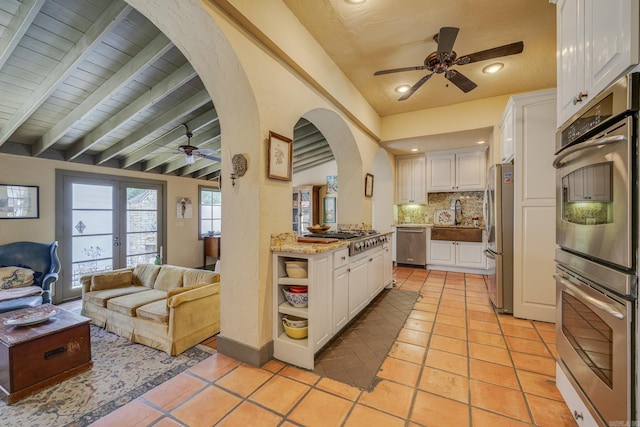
pixel 596 265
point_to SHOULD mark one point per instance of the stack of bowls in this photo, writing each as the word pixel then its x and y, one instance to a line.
pixel 296 269
pixel 297 297
pixel 295 327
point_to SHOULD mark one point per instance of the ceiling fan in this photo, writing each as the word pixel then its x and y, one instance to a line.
pixel 191 153
pixel 440 61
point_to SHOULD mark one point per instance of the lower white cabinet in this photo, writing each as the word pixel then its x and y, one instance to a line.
pixel 457 254
pixel 338 286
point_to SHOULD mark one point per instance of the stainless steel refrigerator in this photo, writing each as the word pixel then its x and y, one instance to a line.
pixel 498 217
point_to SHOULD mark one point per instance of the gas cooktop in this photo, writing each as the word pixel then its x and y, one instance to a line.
pixel 344 235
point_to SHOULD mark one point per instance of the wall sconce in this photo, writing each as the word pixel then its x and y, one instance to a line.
pixel 238 167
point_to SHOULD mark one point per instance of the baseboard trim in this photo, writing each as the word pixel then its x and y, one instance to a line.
pixel 244 353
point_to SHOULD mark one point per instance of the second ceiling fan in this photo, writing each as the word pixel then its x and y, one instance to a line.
pixel 440 61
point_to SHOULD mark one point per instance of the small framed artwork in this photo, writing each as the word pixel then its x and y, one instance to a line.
pixel 368 185
pixel 329 210
pixel 280 157
pixel 19 201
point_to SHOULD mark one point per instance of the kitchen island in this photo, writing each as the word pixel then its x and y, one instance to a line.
pixel 339 287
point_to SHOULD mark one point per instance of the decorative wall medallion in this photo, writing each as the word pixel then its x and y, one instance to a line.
pixel 239 163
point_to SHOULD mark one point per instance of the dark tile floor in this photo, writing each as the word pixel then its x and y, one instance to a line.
pixel 355 356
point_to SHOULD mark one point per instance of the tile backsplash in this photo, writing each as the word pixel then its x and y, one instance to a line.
pixel 424 214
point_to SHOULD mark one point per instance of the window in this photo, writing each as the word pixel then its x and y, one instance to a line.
pixel 210 210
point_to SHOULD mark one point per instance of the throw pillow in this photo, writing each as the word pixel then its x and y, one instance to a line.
pixel 15 277
pixel 116 279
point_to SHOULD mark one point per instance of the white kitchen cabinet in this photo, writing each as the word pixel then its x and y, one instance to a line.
pixel 597 42
pixel 376 273
pixel 534 205
pixel 461 170
pixel 340 315
pixel 410 180
pixel 457 254
pixel 358 287
pixel 387 260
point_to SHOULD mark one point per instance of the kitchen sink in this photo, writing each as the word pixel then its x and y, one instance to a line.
pixel 457 233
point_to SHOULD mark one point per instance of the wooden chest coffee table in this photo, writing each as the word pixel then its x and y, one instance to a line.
pixel 36 356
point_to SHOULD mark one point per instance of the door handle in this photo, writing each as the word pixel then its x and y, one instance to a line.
pixel 573 290
pixel 116 241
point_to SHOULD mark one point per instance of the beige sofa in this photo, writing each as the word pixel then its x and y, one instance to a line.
pixel 162 306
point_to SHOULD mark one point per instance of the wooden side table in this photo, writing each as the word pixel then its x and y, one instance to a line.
pixel 211 248
pixel 36 356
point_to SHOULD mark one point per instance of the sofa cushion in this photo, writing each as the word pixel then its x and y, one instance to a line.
pixel 193 277
pixel 128 304
pixel 155 311
pixel 15 277
pixel 101 297
pixel 111 280
pixel 145 274
pixel 170 277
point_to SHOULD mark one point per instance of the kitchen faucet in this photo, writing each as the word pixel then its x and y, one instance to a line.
pixel 458 214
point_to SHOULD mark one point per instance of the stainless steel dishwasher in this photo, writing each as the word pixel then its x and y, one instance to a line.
pixel 412 245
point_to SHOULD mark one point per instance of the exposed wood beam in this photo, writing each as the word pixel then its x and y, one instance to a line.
pixel 207 171
pixel 298 151
pixel 313 164
pixel 108 20
pixel 147 56
pixel 301 142
pixel 169 138
pixel 314 156
pixel 19 24
pixel 159 91
pixel 172 115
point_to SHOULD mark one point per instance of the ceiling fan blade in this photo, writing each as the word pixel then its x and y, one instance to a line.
pixel 415 87
pixel 460 80
pixel 205 151
pixel 205 156
pixel 446 39
pixel 398 70
pixel 496 52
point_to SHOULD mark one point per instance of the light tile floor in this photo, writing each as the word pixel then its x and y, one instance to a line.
pixel 454 363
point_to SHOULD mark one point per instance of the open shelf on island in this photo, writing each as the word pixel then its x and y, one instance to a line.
pixel 293 281
pixel 286 308
pixel 303 342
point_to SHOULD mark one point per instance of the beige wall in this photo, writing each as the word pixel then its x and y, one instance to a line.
pixel 183 246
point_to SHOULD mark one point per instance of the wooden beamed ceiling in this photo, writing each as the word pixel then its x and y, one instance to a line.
pixel 94 82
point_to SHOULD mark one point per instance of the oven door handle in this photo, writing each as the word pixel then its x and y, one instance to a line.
pixel 578 293
pixel 557 163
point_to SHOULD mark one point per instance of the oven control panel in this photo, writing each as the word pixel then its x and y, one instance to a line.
pixel 364 244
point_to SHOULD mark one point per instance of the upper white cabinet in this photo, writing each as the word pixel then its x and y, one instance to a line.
pixel 410 180
pixel 463 170
pixel 597 43
pixel 532 117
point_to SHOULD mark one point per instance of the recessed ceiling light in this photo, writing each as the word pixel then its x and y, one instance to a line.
pixel 403 88
pixel 482 141
pixel 493 68
pixel 355 1
pixel 414 149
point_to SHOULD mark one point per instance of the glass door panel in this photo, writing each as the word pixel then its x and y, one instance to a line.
pixel 142 225
pixel 92 230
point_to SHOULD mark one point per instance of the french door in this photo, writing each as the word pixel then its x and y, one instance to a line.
pixel 105 223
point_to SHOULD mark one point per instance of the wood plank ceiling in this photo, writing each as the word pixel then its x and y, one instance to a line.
pixel 94 82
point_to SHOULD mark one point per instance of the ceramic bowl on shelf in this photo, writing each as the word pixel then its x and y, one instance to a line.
pixel 295 322
pixel 297 300
pixel 296 333
pixel 296 269
pixel 295 289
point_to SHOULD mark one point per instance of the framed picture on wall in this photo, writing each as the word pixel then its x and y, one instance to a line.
pixel 19 201
pixel 368 185
pixel 280 157
pixel 329 210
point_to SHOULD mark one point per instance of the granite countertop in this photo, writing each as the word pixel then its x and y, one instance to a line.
pixel 288 242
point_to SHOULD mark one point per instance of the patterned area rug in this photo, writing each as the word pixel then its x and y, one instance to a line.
pixel 121 372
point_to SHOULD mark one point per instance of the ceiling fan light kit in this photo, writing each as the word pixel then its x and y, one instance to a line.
pixel 493 68
pixel 441 61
